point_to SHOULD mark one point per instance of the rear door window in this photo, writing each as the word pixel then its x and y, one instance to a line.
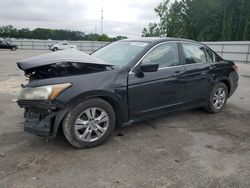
pixel 194 53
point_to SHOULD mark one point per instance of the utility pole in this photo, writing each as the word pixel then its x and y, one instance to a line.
pixel 102 18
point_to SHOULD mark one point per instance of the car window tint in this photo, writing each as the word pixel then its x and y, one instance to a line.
pixel 65 43
pixel 166 55
pixel 210 56
pixel 193 53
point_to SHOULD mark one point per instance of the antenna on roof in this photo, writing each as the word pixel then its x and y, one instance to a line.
pixel 102 18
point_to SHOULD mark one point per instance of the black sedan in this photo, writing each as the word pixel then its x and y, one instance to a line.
pixel 122 83
pixel 4 44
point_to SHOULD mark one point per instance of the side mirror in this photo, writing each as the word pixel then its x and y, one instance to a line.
pixel 149 67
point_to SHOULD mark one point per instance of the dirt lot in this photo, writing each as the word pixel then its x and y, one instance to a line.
pixel 187 149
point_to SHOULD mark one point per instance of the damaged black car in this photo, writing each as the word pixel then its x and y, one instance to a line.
pixel 120 84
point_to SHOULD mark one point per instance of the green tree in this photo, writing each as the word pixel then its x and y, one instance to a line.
pixel 202 20
pixel 103 37
pixel 152 31
pixel 55 34
pixel 118 38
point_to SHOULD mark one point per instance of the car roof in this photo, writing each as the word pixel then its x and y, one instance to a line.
pixel 158 39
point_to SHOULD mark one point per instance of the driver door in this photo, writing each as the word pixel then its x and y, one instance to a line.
pixel 152 93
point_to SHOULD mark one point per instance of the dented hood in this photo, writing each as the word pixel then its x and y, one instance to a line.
pixel 69 55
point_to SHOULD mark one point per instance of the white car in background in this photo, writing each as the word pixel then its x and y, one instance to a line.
pixel 61 46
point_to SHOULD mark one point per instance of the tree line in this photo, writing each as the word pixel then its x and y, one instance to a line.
pixel 202 20
pixel 10 31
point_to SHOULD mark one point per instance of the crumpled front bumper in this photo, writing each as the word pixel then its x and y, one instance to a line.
pixel 42 118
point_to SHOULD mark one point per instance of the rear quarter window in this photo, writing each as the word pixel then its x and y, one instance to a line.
pixel 210 56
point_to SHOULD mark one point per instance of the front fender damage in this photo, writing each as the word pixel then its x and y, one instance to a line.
pixel 43 118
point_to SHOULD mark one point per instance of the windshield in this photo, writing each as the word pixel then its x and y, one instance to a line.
pixel 120 53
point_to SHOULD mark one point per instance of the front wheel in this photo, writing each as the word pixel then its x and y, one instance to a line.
pixel 218 98
pixel 89 123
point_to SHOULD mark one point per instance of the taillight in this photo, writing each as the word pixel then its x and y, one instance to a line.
pixel 235 67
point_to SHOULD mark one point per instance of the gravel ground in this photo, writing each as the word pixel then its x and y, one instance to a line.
pixel 186 149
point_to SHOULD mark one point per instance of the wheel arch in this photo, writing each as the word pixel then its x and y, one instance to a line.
pixel 227 83
pixel 106 96
pixel 115 105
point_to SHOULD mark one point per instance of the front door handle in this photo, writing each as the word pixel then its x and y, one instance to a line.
pixel 203 73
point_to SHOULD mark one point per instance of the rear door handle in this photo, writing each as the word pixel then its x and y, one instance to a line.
pixel 176 73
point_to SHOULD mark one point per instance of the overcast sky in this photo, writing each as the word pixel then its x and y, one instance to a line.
pixel 121 17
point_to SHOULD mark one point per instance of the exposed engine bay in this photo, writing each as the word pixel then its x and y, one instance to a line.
pixel 62 63
pixel 63 69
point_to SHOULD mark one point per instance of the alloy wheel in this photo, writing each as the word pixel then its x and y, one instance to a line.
pixel 91 124
pixel 219 98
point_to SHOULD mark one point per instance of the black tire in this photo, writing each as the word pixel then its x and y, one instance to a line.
pixel 211 107
pixel 70 119
pixel 13 48
pixel 55 49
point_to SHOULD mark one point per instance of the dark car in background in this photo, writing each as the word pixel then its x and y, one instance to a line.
pixel 6 44
pixel 122 83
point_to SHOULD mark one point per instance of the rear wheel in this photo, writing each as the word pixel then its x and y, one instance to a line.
pixel 89 123
pixel 13 48
pixel 55 49
pixel 218 98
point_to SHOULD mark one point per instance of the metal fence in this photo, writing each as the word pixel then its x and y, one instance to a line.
pixel 86 46
pixel 238 51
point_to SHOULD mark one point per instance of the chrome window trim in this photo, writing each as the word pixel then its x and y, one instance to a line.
pixel 187 65
pixel 131 71
pixel 162 68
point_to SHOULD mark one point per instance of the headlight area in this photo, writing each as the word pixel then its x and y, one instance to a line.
pixel 42 112
pixel 49 92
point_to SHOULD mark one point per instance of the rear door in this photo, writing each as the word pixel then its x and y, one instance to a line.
pixel 160 91
pixel 196 75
